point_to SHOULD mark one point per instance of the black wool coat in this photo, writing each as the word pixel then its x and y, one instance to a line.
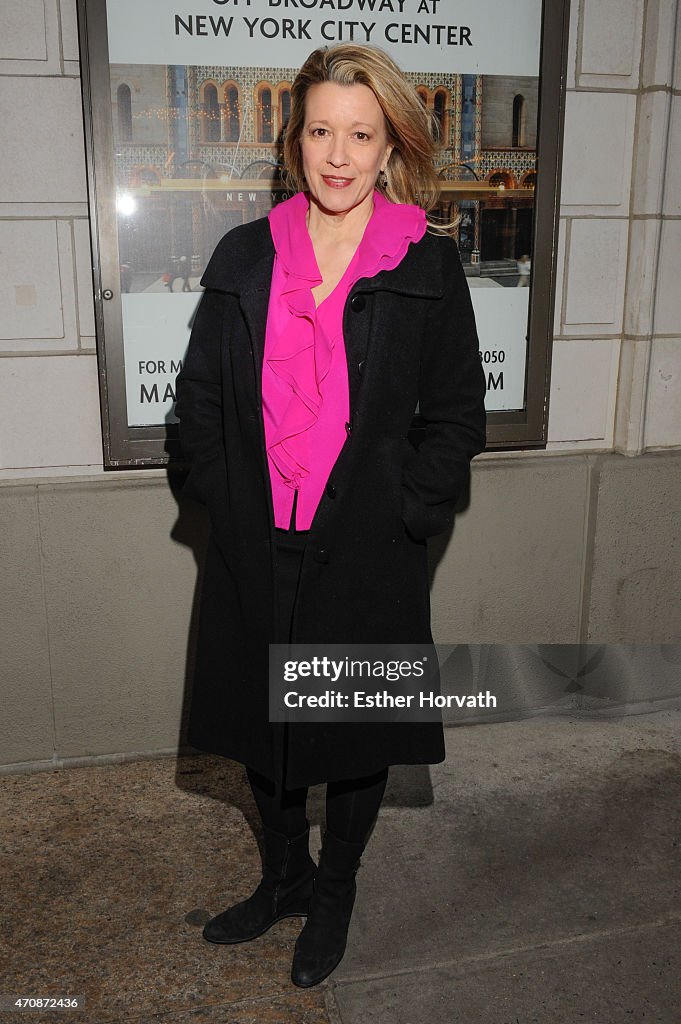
pixel 410 338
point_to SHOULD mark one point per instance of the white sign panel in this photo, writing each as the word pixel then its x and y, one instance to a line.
pixel 156 331
pixel 501 319
pixel 483 37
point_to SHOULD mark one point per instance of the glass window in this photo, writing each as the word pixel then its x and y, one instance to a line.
pixel 202 156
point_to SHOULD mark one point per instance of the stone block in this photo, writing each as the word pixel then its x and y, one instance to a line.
pixel 668 297
pixel 672 192
pixel 37 291
pixel 29 37
pixel 663 407
pixel 649 156
pixel 22 30
pixel 597 152
pixel 511 571
pixel 634 593
pixel 26 724
pixel 49 415
pixel 644 241
pixel 611 43
pixel 597 258
pixel 42 157
pixel 119 596
pixel 583 390
pixel 69 30
pixel 658 43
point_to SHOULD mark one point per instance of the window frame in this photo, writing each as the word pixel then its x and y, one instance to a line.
pixel 127 446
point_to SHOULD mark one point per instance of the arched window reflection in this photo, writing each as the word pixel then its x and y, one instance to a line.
pixel 124 111
pixel 284 108
pixel 211 114
pixel 233 113
pixel 264 116
pixel 501 179
pixel 440 111
pixel 518 121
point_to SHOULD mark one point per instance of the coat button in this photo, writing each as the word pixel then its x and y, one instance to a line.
pixel 321 555
pixel 360 367
pixel 330 490
pixel 358 303
pixel 348 429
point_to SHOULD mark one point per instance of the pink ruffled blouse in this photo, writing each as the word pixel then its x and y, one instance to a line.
pixel 304 378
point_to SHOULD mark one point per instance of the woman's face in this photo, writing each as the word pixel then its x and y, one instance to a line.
pixel 344 145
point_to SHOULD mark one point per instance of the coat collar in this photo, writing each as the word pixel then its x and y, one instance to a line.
pixel 243 261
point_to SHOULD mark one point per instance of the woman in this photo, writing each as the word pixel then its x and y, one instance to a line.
pixel 321 328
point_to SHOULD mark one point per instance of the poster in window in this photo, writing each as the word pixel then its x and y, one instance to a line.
pixel 200 98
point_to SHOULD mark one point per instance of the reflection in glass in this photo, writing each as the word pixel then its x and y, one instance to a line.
pixel 202 153
pixel 233 113
pixel 518 121
pixel 211 114
pixel 265 127
pixel 440 111
pixel 124 112
pixel 284 107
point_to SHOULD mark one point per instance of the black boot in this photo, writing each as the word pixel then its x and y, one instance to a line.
pixel 284 891
pixel 321 944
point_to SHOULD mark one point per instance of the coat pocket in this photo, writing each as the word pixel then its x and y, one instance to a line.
pixel 406 451
pixel 402 449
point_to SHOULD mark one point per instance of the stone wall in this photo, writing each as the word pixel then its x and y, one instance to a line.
pixel 573 544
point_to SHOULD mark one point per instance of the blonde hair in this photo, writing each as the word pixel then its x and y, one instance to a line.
pixel 412 130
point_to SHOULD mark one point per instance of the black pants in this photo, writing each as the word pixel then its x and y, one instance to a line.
pixel 351 804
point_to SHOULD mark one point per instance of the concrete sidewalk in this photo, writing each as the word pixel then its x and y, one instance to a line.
pixel 535 876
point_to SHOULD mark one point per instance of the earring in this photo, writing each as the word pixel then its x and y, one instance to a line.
pixel 382 179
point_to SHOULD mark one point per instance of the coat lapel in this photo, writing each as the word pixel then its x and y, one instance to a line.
pixel 242 266
pixel 254 301
pixel 418 274
pixel 247 271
